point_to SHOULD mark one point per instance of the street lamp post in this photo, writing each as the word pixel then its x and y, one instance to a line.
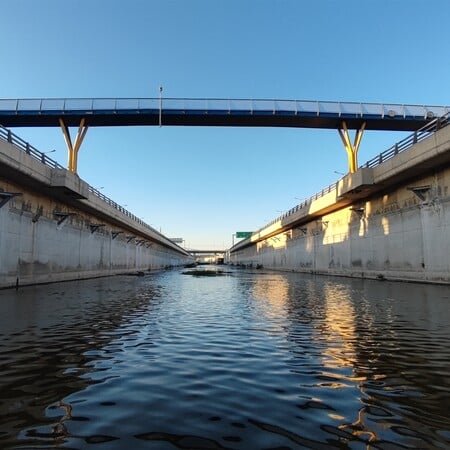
pixel 46 153
pixel 160 105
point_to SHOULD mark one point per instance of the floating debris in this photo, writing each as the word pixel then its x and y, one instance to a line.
pixel 205 273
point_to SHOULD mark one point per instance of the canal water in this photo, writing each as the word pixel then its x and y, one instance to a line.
pixel 245 360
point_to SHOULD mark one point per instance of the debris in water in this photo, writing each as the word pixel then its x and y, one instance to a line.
pixel 204 273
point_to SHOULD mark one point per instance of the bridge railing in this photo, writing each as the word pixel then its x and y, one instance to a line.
pixel 397 148
pixel 19 143
pixel 409 141
pixel 218 105
pixel 12 138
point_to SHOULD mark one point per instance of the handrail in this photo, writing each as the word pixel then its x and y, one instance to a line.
pixel 120 208
pixel 252 106
pixel 397 148
pixel 12 138
pixel 409 141
pixel 19 143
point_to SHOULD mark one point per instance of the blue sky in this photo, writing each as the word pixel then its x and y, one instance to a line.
pixel 204 184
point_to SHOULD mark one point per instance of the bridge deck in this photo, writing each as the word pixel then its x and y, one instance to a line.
pixel 215 112
pixel 204 251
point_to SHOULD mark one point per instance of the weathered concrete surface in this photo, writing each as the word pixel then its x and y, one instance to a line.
pixel 392 221
pixel 56 229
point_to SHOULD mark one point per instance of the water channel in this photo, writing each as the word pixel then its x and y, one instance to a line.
pixel 245 360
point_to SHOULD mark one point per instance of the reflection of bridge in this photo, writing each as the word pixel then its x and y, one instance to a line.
pixel 342 116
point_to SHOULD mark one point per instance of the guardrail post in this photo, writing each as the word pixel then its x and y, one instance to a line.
pixel 9 136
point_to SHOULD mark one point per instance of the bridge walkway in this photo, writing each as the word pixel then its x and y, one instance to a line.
pixel 343 116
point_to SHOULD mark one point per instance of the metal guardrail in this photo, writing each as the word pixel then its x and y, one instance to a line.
pixel 19 143
pixel 120 208
pixel 10 137
pixel 228 106
pixel 397 148
pixel 409 141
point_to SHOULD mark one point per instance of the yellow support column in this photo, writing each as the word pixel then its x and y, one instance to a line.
pixel 72 155
pixel 352 150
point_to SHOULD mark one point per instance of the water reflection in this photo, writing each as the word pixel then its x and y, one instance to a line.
pixel 382 350
pixel 246 361
pixel 53 342
pixel 270 294
pixel 340 329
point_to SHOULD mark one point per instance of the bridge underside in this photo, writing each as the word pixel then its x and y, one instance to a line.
pixel 210 118
pixel 215 112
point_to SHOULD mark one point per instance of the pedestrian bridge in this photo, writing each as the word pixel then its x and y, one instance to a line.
pixel 84 113
pixel 214 112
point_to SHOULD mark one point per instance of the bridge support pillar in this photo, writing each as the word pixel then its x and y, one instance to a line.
pixel 75 147
pixel 352 149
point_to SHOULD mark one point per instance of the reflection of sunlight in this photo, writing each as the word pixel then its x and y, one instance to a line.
pixel 362 227
pixel 341 337
pixel 309 244
pixel 359 429
pixel 340 321
pixel 336 227
pixel 276 242
pixel 273 294
pixel 385 225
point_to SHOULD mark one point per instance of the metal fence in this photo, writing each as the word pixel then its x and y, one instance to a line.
pixel 10 137
pixel 211 105
pixel 409 141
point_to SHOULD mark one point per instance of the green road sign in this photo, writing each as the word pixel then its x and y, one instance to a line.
pixel 243 234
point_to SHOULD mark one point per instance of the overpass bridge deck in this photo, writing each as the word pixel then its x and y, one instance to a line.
pixel 205 252
pixel 214 112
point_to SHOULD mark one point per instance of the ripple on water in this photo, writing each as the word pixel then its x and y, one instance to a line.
pixel 242 361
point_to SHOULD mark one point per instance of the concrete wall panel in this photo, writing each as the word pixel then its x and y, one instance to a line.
pixel 399 236
pixel 34 248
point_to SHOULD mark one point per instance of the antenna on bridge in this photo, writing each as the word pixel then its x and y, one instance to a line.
pixel 160 105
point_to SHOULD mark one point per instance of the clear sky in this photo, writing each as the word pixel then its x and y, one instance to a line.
pixel 204 184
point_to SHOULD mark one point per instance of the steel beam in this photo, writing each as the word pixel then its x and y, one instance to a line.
pixel 73 149
pixel 351 149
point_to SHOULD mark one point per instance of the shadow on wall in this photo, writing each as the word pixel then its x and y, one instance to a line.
pixel 393 232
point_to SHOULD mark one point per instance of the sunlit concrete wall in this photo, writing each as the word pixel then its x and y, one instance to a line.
pixel 393 235
pixel 36 246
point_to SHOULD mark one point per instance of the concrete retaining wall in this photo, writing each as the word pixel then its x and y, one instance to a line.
pixel 397 237
pixel 50 233
pixel 399 230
